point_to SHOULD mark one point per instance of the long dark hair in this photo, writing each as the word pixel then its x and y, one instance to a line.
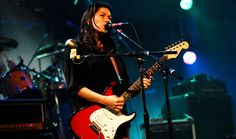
pixel 87 32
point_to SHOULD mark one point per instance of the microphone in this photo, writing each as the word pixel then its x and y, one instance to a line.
pixel 174 73
pixel 116 25
pixel 71 44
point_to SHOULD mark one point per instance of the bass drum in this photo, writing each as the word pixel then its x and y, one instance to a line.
pixel 20 84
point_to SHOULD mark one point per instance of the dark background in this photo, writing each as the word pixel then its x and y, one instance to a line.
pixel 209 28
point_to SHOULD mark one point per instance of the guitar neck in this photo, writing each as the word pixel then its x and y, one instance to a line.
pixel 136 86
pixel 154 68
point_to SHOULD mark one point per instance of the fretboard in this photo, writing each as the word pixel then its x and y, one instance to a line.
pixel 136 86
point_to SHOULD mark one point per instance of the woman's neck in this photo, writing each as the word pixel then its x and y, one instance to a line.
pixel 99 43
pixel 100 46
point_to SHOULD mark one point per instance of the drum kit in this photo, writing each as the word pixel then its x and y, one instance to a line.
pixel 18 81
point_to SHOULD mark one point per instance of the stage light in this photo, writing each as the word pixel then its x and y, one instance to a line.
pixel 75 2
pixel 189 57
pixel 186 4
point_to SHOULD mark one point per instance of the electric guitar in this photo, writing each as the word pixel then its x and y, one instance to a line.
pixel 96 121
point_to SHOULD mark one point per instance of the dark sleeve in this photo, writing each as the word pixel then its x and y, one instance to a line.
pixel 75 73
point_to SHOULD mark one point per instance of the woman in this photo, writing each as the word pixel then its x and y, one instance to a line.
pixel 87 79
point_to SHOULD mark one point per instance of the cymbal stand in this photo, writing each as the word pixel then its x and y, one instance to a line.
pixel 35 53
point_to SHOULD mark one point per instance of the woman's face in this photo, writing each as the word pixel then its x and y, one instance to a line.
pixel 100 19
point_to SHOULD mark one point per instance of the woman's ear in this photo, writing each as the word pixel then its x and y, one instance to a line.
pixel 88 22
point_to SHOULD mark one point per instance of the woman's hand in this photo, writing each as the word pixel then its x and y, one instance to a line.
pixel 117 103
pixel 114 102
pixel 147 82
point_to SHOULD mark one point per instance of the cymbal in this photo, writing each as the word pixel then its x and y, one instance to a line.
pixel 6 42
pixel 50 48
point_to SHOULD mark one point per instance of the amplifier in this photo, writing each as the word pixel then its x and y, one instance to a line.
pixel 22 114
pixel 200 85
pixel 182 129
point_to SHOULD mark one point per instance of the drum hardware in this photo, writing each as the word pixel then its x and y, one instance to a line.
pixel 6 64
pixel 50 49
pixel 49 80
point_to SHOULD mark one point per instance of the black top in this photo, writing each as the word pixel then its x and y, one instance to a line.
pixel 95 73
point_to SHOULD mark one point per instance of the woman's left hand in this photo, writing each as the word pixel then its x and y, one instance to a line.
pixel 147 82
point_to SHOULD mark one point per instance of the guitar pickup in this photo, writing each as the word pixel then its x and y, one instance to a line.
pixel 95 127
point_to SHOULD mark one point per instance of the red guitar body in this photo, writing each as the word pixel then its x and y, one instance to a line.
pixel 95 122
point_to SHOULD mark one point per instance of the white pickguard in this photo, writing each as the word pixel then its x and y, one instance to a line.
pixel 108 121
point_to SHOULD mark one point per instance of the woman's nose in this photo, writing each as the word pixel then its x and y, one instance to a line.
pixel 107 20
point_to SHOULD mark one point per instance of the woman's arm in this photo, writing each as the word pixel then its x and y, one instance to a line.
pixel 114 102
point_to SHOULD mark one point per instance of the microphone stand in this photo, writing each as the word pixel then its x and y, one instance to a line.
pixel 140 61
pixel 145 114
pixel 165 72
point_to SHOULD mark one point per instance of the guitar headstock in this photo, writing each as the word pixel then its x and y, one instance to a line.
pixel 176 47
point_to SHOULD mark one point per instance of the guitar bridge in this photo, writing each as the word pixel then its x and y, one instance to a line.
pixel 95 127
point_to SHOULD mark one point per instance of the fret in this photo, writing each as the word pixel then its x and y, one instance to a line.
pixel 126 96
pixel 150 72
pixel 131 88
pixel 136 85
pixel 154 68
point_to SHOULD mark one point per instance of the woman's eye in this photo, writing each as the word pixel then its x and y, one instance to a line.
pixel 102 15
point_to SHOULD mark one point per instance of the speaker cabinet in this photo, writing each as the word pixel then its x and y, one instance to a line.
pixel 212 114
pixel 182 129
pixel 22 114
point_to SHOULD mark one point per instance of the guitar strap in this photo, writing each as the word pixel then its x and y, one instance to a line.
pixel 114 63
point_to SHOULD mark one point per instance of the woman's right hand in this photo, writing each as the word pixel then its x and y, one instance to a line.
pixel 114 102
